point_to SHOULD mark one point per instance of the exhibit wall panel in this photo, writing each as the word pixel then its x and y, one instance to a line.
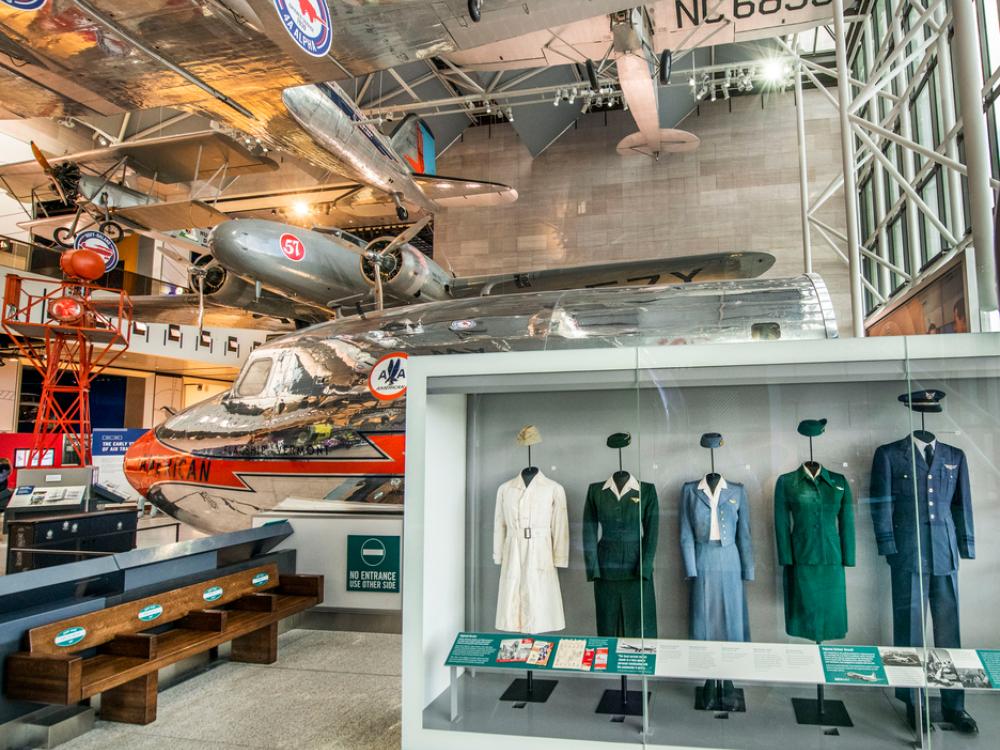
pixel 582 202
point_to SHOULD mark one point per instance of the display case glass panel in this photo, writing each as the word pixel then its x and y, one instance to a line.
pixel 776 559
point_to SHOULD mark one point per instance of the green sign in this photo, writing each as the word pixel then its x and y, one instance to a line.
pixel 991 663
pixel 853 665
pixel 554 653
pixel 373 564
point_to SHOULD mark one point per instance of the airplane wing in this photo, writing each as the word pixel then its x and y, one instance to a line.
pixel 455 192
pixel 182 309
pixel 172 215
pixel 447 192
pixel 171 159
pixel 713 267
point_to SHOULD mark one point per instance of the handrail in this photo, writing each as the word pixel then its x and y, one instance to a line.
pixel 22 255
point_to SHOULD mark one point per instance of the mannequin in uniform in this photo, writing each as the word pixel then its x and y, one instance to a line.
pixel 620 529
pixel 814 529
pixel 718 558
pixel 924 569
pixel 718 554
pixel 530 540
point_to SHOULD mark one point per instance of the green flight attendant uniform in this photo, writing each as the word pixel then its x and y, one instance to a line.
pixel 814 528
pixel 619 560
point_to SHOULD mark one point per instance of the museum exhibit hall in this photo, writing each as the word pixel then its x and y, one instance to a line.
pixel 499 374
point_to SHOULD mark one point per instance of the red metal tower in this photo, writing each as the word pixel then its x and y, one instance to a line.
pixel 70 343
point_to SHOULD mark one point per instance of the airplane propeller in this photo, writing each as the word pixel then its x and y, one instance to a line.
pixel 49 171
pixel 381 259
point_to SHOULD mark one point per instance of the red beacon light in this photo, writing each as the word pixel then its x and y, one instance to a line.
pixel 82 263
pixel 66 309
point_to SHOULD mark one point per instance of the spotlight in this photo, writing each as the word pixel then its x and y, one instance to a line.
pixel 774 71
pixel 510 115
pixel 555 102
pixel 301 209
pixel 572 95
pixel 712 95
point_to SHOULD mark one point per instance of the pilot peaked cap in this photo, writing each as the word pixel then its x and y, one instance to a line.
pixel 928 401
pixel 528 436
pixel 812 427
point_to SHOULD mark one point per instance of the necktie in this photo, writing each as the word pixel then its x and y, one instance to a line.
pixel 928 453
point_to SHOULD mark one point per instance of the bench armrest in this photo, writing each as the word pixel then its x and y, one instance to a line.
pixel 44 679
pixel 301 585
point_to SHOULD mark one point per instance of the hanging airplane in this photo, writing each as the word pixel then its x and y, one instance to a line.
pixel 310 276
pixel 317 417
pixel 79 57
pixel 150 186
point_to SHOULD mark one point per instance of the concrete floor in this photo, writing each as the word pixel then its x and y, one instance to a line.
pixel 328 690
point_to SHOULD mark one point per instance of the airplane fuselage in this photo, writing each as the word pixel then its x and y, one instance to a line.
pixel 332 119
pixel 317 267
pixel 305 420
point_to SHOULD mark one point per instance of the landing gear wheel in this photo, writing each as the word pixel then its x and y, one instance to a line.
pixel 595 85
pixel 666 66
pixel 475 10
pixel 113 230
pixel 63 236
pixel 401 213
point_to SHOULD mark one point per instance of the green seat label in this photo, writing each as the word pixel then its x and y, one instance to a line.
pixel 212 593
pixel 70 637
pixel 150 612
pixel 260 579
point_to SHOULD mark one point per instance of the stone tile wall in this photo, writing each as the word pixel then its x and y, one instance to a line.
pixel 580 202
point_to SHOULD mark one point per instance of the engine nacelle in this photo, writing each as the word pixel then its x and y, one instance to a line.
pixel 408 274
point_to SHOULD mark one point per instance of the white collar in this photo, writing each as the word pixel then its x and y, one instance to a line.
pixel 519 480
pixel 922 446
pixel 703 486
pixel 631 484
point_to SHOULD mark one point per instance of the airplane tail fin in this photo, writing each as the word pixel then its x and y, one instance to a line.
pixel 413 140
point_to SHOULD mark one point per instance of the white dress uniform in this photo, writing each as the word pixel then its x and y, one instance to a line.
pixel 530 540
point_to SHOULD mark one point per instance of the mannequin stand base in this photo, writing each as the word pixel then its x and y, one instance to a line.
pixel 834 713
pixel 710 702
pixel 517 692
pixel 612 703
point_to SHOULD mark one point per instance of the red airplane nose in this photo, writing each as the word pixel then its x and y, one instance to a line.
pixel 141 461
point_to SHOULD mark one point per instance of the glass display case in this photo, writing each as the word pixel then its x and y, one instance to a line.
pixel 746 545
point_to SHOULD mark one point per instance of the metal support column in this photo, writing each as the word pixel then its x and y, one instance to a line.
pixel 885 281
pixel 909 168
pixel 969 80
pixel 850 176
pixel 800 115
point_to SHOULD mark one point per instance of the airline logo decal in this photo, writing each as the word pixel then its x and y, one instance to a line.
pixel 212 593
pixel 308 23
pixel 70 637
pixel 150 613
pixel 387 380
pixel 292 247
pixel 101 244
pixel 150 462
pixel 24 4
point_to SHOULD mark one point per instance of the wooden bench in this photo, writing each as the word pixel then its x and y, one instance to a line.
pixel 123 659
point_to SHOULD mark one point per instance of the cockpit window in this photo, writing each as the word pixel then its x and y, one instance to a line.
pixel 254 377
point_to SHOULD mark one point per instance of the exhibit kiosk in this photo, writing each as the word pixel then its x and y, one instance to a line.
pixel 735 545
